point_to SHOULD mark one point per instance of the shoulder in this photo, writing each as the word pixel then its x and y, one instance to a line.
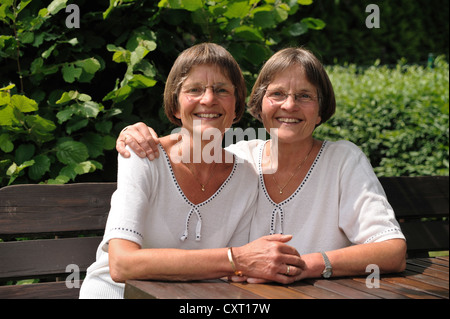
pixel 343 145
pixel 246 150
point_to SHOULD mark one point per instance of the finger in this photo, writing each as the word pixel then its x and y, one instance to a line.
pixel 279 237
pixel 257 281
pixel 237 278
pixel 153 141
pixel 147 139
pixel 120 147
pixel 135 146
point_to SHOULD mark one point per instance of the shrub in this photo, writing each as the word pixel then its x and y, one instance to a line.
pixel 398 116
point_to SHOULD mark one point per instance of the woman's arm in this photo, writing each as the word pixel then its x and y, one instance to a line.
pixel 265 258
pixel 389 256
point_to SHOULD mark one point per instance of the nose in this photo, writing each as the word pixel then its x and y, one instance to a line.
pixel 290 104
pixel 208 96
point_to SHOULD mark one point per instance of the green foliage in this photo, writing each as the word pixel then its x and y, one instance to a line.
pixel 66 93
pixel 408 29
pixel 74 89
pixel 399 116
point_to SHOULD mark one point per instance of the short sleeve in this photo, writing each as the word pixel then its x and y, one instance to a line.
pixel 129 203
pixel 365 213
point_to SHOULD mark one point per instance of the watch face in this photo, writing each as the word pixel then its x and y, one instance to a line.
pixel 326 273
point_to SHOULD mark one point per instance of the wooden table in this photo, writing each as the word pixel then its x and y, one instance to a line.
pixel 424 278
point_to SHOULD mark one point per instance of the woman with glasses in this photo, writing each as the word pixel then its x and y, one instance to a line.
pixel 325 194
pixel 175 218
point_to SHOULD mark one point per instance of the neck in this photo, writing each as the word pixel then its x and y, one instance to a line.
pixel 199 151
pixel 285 157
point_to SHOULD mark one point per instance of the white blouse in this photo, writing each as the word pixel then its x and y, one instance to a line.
pixel 339 203
pixel 150 209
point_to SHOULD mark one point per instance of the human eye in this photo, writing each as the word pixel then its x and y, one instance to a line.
pixel 193 90
pixel 304 97
pixel 223 90
pixel 276 95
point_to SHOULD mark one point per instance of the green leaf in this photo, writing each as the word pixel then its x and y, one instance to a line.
pixel 72 152
pixel 7 88
pixel 192 5
pixel 40 167
pixel 5 143
pixel 141 81
pixel 76 124
pixel 297 29
pixel 248 33
pixel 24 104
pixel 60 179
pixel 119 95
pixel 7 117
pixel 94 144
pixel 56 5
pixel 66 114
pixel 67 96
pixel 237 9
pixel 70 73
pixel 109 142
pixel 90 65
pixel 84 168
pixel 14 171
pixel 256 53
pixel 36 122
pixel 264 19
pixel 90 109
pixel 24 153
pixel 314 24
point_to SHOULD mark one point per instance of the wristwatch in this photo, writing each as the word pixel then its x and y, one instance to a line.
pixel 327 272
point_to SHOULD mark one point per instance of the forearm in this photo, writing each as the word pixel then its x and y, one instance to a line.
pixel 389 256
pixel 168 264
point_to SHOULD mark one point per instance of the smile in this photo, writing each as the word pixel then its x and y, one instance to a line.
pixel 208 115
pixel 288 120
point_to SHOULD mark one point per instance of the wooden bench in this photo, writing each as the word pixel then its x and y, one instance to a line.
pixel 421 207
pixel 62 213
pixel 68 222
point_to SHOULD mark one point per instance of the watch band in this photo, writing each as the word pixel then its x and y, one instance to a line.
pixel 327 272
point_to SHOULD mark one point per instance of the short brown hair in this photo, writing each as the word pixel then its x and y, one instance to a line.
pixel 315 73
pixel 201 54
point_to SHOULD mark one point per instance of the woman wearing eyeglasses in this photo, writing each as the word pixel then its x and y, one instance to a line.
pixel 323 193
pixel 176 218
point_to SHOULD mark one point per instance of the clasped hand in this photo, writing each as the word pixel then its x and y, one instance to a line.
pixel 268 258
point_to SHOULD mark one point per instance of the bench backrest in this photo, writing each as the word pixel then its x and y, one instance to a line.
pixel 61 213
pixel 64 225
pixel 421 207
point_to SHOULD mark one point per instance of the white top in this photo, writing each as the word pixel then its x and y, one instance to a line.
pixel 150 209
pixel 339 203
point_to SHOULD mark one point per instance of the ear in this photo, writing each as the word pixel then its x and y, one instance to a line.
pixel 319 120
pixel 177 115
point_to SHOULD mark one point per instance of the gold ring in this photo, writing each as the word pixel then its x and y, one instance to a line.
pixel 288 270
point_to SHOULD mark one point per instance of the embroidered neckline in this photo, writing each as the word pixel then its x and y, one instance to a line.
pixel 299 188
pixel 180 191
pixel 195 207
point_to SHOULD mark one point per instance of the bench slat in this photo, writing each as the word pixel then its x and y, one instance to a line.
pixel 417 197
pixel 34 209
pixel 26 259
pixel 47 290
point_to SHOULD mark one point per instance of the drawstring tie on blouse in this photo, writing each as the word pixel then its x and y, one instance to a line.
pixel 198 229
pixel 277 213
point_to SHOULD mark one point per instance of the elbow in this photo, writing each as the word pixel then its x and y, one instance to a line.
pixel 117 274
pixel 398 262
pixel 118 269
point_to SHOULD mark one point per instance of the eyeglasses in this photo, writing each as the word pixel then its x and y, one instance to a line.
pixel 278 96
pixel 198 90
